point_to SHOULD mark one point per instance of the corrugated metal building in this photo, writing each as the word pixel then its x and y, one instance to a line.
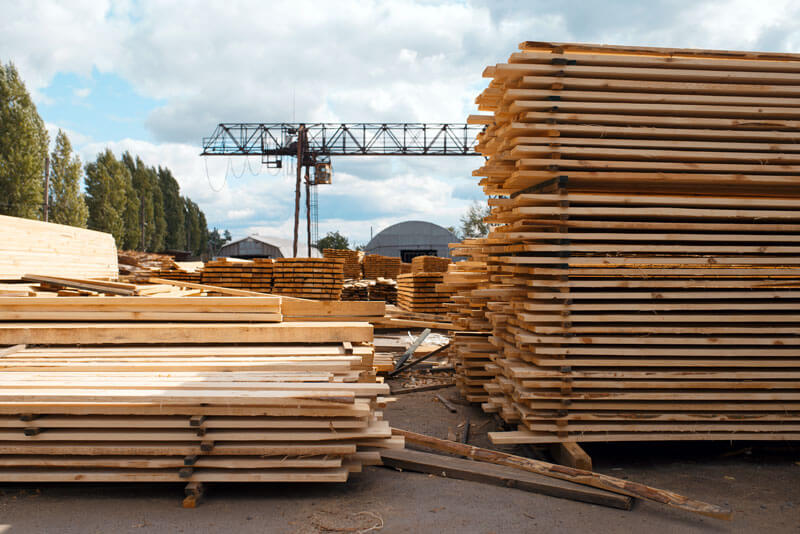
pixel 255 246
pixel 409 239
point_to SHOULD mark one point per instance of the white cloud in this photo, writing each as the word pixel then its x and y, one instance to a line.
pixel 351 60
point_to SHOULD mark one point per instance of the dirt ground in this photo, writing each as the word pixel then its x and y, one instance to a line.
pixel 760 482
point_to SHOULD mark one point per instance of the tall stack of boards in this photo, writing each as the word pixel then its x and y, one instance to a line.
pixel 648 243
pixel 429 264
pixel 471 350
pixel 311 278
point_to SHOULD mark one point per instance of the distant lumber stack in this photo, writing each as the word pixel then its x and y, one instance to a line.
pixel 252 275
pixel 646 267
pixel 417 293
pixel 429 264
pixel 352 263
pixel 377 266
pixel 54 249
pixel 383 289
pixel 312 278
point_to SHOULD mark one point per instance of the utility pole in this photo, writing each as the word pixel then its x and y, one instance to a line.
pixel 46 208
pixel 308 211
pixel 301 138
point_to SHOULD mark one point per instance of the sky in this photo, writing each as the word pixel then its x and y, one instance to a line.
pixel 155 77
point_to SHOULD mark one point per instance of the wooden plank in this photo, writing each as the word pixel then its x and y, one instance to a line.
pixel 497 475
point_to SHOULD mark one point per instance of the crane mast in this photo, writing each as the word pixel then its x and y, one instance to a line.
pixel 313 144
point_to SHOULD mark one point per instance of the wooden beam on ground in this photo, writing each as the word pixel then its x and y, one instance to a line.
pixel 497 475
pixel 571 455
pixel 580 476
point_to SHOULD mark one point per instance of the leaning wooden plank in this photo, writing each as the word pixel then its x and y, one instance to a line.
pixel 7 351
pixel 588 478
pixel 91 285
pixel 498 475
pixel 101 333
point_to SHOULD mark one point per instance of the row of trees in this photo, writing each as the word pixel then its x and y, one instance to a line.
pixel 140 206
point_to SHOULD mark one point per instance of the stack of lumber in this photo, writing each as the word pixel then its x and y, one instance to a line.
pixel 417 293
pixel 471 349
pixel 300 403
pixel 172 270
pixel 314 278
pixel 377 266
pixel 253 275
pixel 355 290
pixel 54 249
pixel 383 289
pixel 646 273
pixel 352 261
pixel 405 267
pixel 140 264
pixel 429 264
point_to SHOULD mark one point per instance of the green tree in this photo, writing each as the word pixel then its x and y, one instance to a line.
pixel 333 240
pixel 67 204
pixel 107 185
pixel 151 219
pixel 472 222
pixel 216 241
pixel 191 215
pixel 23 148
pixel 173 208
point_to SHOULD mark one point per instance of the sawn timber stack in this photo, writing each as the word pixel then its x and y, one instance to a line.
pixel 311 278
pixel 647 253
pixel 255 402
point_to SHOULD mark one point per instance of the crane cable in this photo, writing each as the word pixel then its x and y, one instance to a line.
pixel 208 177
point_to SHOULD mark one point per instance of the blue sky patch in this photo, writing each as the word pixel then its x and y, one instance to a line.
pixel 104 107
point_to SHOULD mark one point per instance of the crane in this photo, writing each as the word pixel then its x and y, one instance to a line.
pixel 313 144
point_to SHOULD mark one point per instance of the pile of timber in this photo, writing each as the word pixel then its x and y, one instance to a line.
pixel 417 293
pixel 429 264
pixel 314 278
pixel 252 275
pixel 241 401
pixel 352 261
pixel 172 270
pixel 377 266
pixel 405 267
pixel 383 289
pixel 646 266
pixel 54 249
pixel 140 264
pixel 471 349
pixel 355 290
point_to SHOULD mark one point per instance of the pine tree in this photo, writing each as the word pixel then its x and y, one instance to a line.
pixel 67 204
pixel 23 148
pixel 107 184
pixel 174 208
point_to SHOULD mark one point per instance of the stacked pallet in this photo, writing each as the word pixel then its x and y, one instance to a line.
pixel 377 266
pixel 417 293
pixel 429 264
pixel 471 349
pixel 314 278
pixel 646 273
pixel 352 261
pixel 355 290
pixel 255 275
pixel 54 249
pixel 383 289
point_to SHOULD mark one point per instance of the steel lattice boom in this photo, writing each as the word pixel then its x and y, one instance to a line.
pixel 345 139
